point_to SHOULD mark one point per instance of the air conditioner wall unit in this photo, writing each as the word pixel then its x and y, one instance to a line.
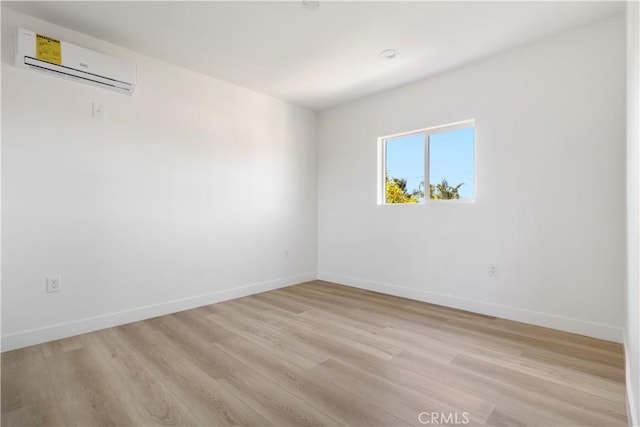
pixel 41 53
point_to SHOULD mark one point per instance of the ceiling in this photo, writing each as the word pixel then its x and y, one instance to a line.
pixel 324 57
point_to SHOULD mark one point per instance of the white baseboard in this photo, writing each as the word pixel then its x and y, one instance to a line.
pixel 631 400
pixel 81 326
pixel 553 321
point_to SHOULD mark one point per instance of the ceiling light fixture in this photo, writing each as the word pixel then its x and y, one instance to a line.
pixel 311 4
pixel 388 53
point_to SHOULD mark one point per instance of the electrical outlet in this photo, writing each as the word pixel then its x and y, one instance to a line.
pixel 98 111
pixel 54 283
pixel 493 270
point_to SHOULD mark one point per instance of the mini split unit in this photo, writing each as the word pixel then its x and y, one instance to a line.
pixel 45 54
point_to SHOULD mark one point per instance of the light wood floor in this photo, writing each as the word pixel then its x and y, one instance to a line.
pixel 317 354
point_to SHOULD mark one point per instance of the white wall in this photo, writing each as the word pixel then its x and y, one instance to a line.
pixel 632 326
pixel 550 128
pixel 188 193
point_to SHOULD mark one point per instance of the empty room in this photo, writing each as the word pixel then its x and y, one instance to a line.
pixel 327 213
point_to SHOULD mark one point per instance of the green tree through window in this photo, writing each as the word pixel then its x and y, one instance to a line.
pixel 438 159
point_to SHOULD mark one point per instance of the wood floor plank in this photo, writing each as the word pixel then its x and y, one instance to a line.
pixel 338 404
pixel 461 343
pixel 255 331
pixel 385 347
pixel 573 349
pixel 437 393
pixel 448 312
pixel 316 354
pixel 77 377
pixel 198 327
pixel 433 348
pixel 278 302
pixel 103 410
pixel 538 408
pixel 275 403
pixel 561 392
pixel 354 293
pixel 395 344
pixel 207 399
pixel 115 360
pixel 321 304
pixel 42 413
pixel 615 373
pixel 404 403
pixel 63 345
pixel 541 332
pixel 552 374
pixel 151 403
pixel 332 344
pixel 83 390
pixel 25 378
pixel 195 348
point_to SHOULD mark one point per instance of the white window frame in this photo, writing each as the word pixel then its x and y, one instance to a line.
pixel 427 132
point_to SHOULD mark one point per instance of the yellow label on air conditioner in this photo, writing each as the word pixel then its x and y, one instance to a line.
pixel 48 49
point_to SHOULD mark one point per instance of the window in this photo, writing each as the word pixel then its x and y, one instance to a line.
pixel 444 154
